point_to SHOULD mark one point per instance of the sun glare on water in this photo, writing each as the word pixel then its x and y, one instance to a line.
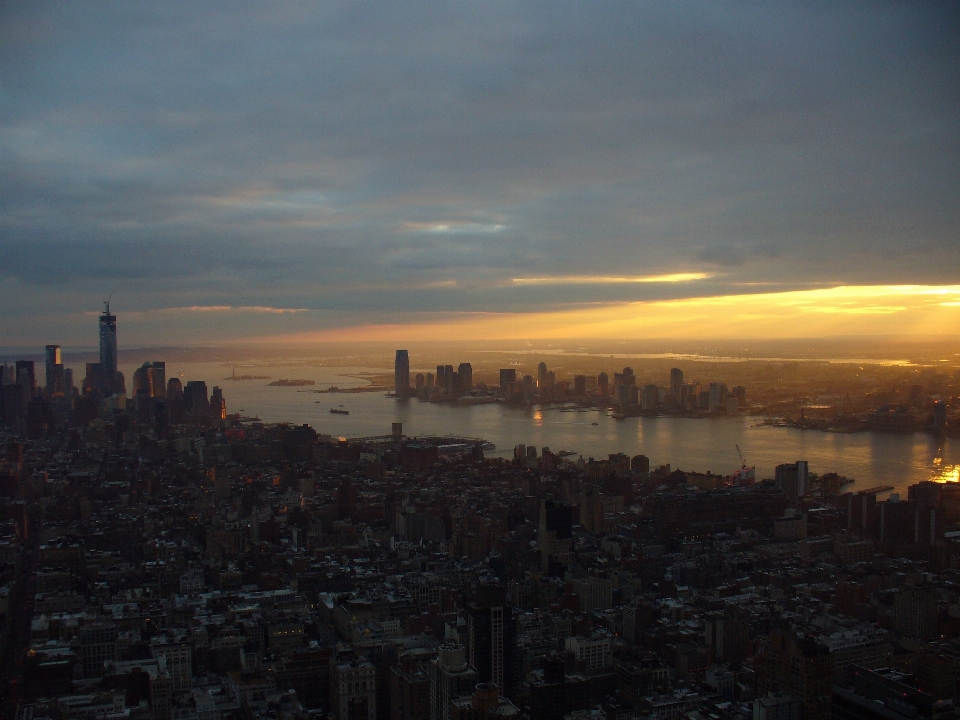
pixel 945 473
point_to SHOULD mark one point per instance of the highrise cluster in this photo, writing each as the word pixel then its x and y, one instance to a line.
pixel 624 395
pixel 37 410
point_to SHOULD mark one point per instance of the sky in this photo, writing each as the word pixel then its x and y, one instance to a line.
pixel 466 170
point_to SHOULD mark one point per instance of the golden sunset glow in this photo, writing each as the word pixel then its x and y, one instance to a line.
pixel 610 280
pixel 886 310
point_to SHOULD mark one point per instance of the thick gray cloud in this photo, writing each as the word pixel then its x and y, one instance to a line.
pixel 359 159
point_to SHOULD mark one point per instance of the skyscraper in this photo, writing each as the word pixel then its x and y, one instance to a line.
pixel 451 678
pixel 54 369
pixel 25 377
pixel 151 380
pixel 491 636
pixel 196 403
pixel 465 371
pixel 676 382
pixel 401 374
pixel 792 478
pixel 108 342
pixel 555 536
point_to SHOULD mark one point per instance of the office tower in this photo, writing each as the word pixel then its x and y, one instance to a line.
pixel 579 385
pixel 450 382
pixel 595 593
pixel 159 384
pixel 555 537
pixel 108 342
pixel 179 659
pixel 353 690
pixel 451 678
pixel 507 376
pixel 792 478
pixel 542 375
pixel 465 371
pixel 218 406
pixel 915 611
pixel 174 388
pixel 68 381
pixel 195 401
pixel 54 368
pixel 740 393
pixel 491 636
pixel 603 384
pixel 650 400
pixel 98 645
pixel 26 378
pixel 676 382
pixel 143 381
pixel 428 380
pixel 420 380
pixel 409 688
pixel 718 397
pixel 939 415
pixel 174 402
pixel 401 374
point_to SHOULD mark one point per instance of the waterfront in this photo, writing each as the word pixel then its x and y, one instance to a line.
pixel 685 443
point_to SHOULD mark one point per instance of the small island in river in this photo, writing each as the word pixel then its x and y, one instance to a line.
pixel 292 383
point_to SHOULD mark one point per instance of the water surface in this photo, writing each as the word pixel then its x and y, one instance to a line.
pixel 686 443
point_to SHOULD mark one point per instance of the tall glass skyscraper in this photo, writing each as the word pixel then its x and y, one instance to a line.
pixel 108 342
pixel 401 374
pixel 54 370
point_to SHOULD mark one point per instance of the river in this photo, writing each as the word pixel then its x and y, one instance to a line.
pixel 686 443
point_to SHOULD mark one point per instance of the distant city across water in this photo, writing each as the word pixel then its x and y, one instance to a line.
pixel 889 362
pixel 693 444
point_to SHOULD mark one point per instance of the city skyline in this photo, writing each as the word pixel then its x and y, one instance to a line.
pixel 306 173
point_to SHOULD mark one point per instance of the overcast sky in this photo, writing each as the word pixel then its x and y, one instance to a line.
pixel 381 163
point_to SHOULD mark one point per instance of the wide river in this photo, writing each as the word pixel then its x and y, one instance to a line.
pixel 686 443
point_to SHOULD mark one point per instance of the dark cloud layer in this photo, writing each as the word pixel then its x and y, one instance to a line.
pixel 364 157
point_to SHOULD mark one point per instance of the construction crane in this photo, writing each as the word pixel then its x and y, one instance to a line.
pixel 745 475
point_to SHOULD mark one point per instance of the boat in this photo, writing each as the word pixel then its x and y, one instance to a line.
pixel 339 411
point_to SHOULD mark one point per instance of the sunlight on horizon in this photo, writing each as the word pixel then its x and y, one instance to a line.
pixel 882 310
